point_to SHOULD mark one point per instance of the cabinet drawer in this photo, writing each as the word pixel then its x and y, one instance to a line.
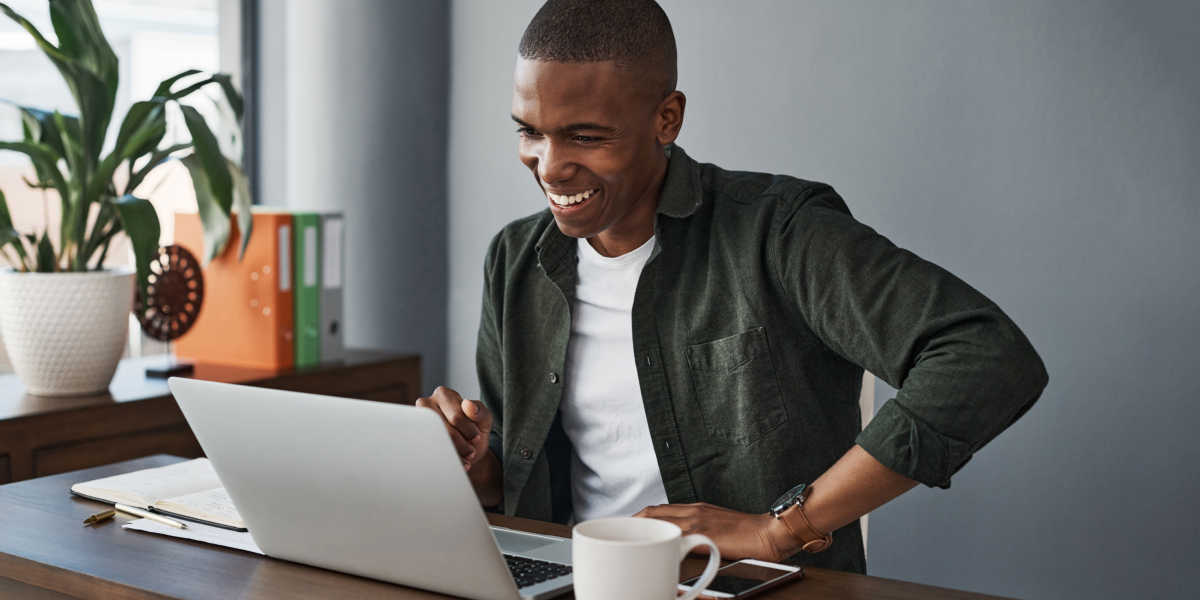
pixel 94 452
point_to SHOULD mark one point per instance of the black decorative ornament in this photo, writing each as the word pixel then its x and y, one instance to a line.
pixel 176 292
pixel 174 296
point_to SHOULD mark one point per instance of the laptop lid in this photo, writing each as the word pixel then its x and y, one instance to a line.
pixel 361 487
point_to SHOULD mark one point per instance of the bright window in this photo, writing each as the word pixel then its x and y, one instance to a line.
pixel 153 39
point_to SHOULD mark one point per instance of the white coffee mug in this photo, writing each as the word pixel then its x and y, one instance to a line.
pixel 634 559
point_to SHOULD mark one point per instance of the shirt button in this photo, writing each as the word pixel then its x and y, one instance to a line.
pixel 525 453
pixel 553 378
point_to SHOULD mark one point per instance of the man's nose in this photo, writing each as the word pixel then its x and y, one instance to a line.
pixel 555 165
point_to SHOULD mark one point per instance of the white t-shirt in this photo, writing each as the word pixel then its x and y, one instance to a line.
pixel 614 471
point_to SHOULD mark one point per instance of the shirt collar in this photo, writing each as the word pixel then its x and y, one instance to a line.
pixel 681 189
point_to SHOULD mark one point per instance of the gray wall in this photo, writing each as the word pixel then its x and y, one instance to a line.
pixel 1048 153
pixel 354 118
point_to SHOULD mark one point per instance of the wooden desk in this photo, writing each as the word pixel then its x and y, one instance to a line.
pixel 46 553
pixel 137 417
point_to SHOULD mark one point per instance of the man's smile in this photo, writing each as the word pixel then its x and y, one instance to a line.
pixel 565 200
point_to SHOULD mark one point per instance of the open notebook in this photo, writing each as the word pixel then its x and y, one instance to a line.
pixel 187 490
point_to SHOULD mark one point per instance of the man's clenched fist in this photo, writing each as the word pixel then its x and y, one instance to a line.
pixel 468 421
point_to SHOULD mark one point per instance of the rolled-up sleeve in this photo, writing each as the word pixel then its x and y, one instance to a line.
pixel 963 370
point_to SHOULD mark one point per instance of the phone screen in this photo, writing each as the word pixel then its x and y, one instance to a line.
pixel 740 578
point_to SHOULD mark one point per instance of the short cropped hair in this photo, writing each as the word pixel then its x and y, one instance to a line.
pixel 635 34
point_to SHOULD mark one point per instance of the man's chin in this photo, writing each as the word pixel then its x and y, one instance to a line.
pixel 576 230
pixel 580 220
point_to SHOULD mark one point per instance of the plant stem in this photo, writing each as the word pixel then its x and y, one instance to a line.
pixel 103 253
pixel 46 216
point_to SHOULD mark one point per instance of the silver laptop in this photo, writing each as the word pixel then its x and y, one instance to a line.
pixel 366 488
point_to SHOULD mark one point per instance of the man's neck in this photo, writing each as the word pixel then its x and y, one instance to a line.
pixel 637 226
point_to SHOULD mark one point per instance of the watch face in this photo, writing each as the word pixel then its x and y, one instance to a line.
pixel 788 498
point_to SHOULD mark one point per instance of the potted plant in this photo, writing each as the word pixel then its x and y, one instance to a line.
pixel 63 316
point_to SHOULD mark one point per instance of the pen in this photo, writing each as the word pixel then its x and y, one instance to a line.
pixel 149 515
pixel 100 516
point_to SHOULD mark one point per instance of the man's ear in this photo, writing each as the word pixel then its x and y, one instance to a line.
pixel 668 117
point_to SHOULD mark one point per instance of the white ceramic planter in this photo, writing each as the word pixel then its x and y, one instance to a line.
pixel 65 332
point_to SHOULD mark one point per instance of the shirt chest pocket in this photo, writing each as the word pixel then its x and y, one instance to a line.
pixel 736 386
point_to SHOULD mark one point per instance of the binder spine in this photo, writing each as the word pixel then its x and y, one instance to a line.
pixel 247 319
pixel 332 279
pixel 307 277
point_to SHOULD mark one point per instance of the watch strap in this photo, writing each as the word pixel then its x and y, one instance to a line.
pixel 797 524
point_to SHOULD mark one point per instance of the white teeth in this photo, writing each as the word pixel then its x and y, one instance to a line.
pixel 569 200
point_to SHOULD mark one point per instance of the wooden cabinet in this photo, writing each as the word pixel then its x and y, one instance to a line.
pixel 137 417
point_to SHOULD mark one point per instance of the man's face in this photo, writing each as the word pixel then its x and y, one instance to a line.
pixel 591 140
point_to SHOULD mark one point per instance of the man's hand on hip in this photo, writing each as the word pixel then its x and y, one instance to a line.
pixel 469 423
pixel 739 535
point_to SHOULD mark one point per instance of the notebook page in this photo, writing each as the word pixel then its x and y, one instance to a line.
pixel 151 485
pixel 212 502
pixel 239 540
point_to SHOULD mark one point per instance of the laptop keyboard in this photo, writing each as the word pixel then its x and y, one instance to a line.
pixel 527 571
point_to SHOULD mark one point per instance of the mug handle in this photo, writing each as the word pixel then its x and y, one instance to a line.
pixel 686 543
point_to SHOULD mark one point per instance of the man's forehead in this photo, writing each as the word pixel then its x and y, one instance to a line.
pixel 570 92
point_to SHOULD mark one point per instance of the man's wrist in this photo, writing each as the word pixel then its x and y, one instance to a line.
pixel 780 538
pixel 487 478
pixel 795 521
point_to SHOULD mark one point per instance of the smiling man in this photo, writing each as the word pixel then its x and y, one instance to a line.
pixel 672 340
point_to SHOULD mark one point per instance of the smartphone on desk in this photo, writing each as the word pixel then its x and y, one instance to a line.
pixel 745 578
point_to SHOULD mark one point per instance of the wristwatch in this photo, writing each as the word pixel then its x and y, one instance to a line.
pixel 788 509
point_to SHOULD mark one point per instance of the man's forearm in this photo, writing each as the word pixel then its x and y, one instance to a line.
pixel 487 476
pixel 851 488
pixel 854 486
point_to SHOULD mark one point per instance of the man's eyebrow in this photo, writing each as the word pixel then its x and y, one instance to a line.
pixel 571 127
pixel 586 127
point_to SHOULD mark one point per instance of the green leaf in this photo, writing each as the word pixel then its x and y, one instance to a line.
pixel 156 158
pixel 102 179
pixel 81 38
pixel 187 91
pixel 6 223
pixel 164 88
pixel 242 201
pixel 45 255
pixel 140 223
pixel 231 94
pixel 72 142
pixel 140 116
pixel 50 49
pixel 214 220
pixel 45 162
pixel 42 127
pixel 5 217
pixel 222 79
pixel 209 154
pixel 60 134
pixel 8 235
pixel 95 110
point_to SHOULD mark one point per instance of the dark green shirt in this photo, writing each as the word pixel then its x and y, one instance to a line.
pixel 753 319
